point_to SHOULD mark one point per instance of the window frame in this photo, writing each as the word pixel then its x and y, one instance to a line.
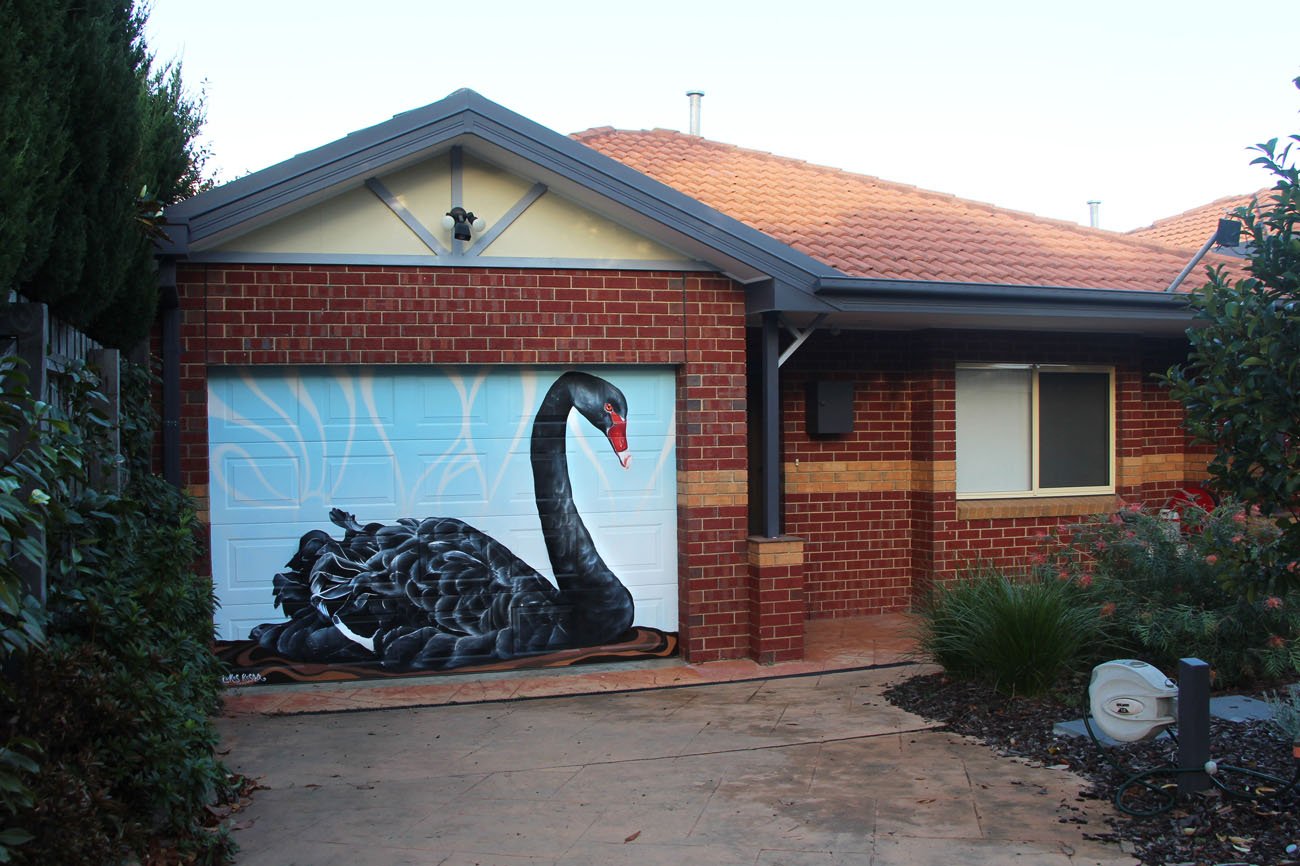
pixel 1036 490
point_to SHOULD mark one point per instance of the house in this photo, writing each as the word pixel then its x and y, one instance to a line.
pixel 796 392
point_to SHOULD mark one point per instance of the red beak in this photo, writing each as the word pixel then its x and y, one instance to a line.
pixel 618 436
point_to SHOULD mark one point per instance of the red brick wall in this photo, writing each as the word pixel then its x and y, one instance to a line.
pixel 876 508
pixel 885 517
pixel 858 538
pixel 246 314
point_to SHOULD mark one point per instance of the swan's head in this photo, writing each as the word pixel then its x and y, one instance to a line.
pixel 605 408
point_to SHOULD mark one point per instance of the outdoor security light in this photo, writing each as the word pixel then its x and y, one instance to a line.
pixel 460 222
pixel 1228 234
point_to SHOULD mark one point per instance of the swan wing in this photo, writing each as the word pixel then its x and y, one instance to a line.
pixel 467 580
pixel 416 595
pixel 440 573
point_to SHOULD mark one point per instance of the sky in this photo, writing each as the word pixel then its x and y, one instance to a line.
pixel 1149 106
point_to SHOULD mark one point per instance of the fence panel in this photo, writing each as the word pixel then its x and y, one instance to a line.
pixel 50 347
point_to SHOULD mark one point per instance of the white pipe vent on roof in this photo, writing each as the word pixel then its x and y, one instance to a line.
pixel 1094 213
pixel 695 96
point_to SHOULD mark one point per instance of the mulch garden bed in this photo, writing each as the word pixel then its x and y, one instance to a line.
pixel 1205 829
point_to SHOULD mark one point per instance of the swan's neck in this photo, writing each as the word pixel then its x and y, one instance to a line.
pixel 577 565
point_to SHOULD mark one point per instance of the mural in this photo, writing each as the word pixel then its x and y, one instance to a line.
pixel 439 592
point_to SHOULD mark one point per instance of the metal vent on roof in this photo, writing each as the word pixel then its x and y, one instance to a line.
pixel 695 97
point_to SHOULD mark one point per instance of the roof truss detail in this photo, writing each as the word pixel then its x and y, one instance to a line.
pixel 426 235
pixel 800 335
pixel 394 204
pixel 515 212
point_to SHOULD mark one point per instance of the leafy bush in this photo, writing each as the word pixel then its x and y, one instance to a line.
pixel 1020 637
pixel 42 461
pixel 1129 584
pixel 1168 590
pixel 119 698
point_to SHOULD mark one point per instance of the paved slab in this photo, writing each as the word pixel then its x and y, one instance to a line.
pixel 782 772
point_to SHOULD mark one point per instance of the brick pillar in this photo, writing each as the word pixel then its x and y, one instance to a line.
pixel 776 602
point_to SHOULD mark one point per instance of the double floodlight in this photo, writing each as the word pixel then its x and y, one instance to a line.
pixel 462 223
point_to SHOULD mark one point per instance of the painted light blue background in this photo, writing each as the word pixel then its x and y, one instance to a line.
pixel 288 444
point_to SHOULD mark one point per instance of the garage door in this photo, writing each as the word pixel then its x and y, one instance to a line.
pixel 288 445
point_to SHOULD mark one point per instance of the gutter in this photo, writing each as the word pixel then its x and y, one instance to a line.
pixel 930 304
pixel 868 287
pixel 858 294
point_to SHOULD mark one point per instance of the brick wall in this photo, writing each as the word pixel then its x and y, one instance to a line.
pixel 246 314
pixel 878 509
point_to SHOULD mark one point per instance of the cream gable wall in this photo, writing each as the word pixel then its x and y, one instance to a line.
pixel 555 228
pixel 359 223
pixel 355 222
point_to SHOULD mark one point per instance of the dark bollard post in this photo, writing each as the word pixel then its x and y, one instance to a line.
pixel 1193 724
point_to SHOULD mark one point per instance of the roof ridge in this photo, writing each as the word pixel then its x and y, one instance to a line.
pixel 976 204
pixel 1207 206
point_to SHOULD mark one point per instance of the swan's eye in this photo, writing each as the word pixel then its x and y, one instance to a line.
pixel 609 407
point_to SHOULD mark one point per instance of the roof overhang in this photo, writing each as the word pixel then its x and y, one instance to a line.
pixel 875 304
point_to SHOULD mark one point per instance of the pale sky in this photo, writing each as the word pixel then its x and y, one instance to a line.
pixel 1147 105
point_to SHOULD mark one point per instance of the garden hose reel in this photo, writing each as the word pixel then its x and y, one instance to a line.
pixel 1130 700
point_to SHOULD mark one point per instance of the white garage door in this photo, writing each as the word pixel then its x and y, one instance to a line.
pixel 290 444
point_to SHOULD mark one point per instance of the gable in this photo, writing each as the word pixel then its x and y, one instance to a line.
pixel 397 216
pixel 581 209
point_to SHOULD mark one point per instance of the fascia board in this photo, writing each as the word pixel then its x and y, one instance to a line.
pixel 300 181
pixel 305 164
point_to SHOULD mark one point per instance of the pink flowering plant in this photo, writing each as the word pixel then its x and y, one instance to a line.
pixel 1202 584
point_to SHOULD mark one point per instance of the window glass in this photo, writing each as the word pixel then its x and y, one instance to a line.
pixel 1073 429
pixel 994 427
pixel 1033 431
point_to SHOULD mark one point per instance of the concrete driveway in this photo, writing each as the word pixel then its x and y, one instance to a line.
pixel 793 771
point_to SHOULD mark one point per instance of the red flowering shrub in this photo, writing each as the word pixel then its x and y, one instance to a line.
pixel 1198 585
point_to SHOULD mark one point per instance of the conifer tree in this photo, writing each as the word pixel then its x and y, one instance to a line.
pixel 89 127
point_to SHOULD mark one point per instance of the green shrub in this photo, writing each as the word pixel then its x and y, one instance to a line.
pixel 1020 637
pixel 118 700
pixel 40 467
pixel 1169 590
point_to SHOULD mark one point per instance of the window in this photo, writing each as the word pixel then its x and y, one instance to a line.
pixel 1034 430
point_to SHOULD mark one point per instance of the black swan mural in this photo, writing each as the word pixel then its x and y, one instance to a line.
pixel 437 593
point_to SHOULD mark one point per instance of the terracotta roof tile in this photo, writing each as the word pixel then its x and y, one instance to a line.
pixel 1190 229
pixel 868 227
